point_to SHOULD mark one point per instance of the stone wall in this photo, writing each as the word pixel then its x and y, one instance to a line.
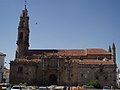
pixel 69 73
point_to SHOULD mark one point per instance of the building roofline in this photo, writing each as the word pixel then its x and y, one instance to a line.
pixel 2 54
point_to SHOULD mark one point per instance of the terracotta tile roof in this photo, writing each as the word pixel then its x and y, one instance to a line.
pixel 64 52
pixel 69 52
pixel 93 61
pixel 26 60
pixel 107 62
pixel 96 62
pixel 35 55
pixel 97 51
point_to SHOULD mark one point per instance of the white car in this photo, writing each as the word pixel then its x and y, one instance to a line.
pixel 18 87
pixel 4 86
pixel 106 88
pixel 43 88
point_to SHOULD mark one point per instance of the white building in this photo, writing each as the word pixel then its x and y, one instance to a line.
pixel 6 75
pixel 118 77
pixel 2 56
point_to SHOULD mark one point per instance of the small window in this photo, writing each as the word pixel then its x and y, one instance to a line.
pixel 71 75
pixel 97 77
pixel 81 75
pixel 101 70
pixel 21 35
pixel 106 78
pixel 20 69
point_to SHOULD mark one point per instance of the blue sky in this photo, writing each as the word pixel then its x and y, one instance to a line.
pixel 61 24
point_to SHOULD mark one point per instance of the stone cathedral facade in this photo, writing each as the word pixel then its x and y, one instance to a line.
pixel 60 66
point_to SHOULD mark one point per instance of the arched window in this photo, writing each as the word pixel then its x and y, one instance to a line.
pixel 52 79
pixel 23 23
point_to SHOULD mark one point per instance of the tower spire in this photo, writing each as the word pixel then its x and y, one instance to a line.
pixel 109 48
pixel 25 4
pixel 114 52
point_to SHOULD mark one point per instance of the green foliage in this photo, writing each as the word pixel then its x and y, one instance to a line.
pixel 94 83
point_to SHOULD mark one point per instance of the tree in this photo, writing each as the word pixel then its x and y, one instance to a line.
pixel 94 83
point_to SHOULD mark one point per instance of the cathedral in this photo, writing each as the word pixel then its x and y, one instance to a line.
pixel 60 66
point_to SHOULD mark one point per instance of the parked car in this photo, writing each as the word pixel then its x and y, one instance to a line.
pixel 106 88
pixel 43 88
pixel 59 88
pixel 4 86
pixel 18 87
pixel 31 88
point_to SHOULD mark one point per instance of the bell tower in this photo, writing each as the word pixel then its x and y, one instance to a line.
pixel 23 34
